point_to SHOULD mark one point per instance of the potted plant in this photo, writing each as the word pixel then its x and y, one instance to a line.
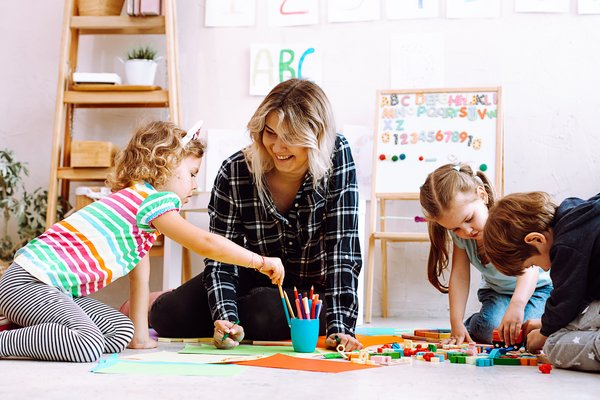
pixel 28 209
pixel 140 67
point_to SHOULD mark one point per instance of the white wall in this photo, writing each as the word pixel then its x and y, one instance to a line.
pixel 547 65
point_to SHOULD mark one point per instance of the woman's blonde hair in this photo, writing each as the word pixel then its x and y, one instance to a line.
pixel 436 196
pixel 305 119
pixel 152 154
pixel 509 221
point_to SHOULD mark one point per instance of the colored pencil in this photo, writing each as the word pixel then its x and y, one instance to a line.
pixel 287 314
pixel 287 300
pixel 298 309
pixel 226 335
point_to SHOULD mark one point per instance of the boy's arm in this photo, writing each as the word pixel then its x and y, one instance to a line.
pixel 139 293
pixel 512 322
pixel 569 275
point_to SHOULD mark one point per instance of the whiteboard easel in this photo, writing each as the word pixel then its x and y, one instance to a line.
pixel 416 132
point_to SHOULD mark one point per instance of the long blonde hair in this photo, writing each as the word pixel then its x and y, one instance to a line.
pixel 306 120
pixel 152 154
pixel 512 218
pixel 436 196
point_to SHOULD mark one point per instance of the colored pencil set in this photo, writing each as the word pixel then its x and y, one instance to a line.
pixel 307 307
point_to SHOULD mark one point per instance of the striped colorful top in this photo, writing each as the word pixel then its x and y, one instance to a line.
pixel 99 243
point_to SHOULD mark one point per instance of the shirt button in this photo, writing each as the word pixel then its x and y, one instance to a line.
pixel 296 205
pixel 290 243
pixel 346 256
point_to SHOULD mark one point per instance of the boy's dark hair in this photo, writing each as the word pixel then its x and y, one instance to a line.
pixel 509 221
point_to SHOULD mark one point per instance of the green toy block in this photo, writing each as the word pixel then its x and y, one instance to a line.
pixel 507 361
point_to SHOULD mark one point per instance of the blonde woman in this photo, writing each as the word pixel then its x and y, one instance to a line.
pixel 291 194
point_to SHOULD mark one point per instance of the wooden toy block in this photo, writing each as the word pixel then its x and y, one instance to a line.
pixel 545 368
pixel 92 154
pixel 484 362
pixel 507 361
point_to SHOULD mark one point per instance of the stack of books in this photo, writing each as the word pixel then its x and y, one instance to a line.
pixel 137 8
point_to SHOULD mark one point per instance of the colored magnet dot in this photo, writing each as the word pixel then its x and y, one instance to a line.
pixel 402 156
pixel 483 167
pixel 394 158
pixel 421 158
pixel 382 157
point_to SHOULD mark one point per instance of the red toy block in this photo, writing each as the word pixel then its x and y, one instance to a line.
pixel 545 368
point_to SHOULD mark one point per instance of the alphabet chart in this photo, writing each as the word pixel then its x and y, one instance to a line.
pixel 420 130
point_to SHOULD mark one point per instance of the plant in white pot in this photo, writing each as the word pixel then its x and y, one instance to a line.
pixel 140 67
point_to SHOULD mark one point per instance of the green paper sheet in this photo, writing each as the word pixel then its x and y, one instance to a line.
pixel 114 365
pixel 244 349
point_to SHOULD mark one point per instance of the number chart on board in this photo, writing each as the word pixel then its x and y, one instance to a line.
pixel 420 130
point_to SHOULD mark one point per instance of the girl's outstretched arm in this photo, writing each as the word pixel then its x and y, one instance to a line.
pixel 216 247
pixel 458 294
pixel 512 322
pixel 139 293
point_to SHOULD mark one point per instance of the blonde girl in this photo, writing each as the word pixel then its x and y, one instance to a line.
pixel 455 200
pixel 45 290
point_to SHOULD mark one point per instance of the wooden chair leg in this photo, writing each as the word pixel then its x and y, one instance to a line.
pixel 384 279
pixel 369 280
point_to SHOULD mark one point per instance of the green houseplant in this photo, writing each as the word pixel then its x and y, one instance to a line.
pixel 140 67
pixel 28 209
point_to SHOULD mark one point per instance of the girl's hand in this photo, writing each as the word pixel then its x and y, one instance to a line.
pixel 458 336
pixel 511 324
pixel 273 268
pixel 535 341
pixel 235 334
pixel 350 343
pixel 142 342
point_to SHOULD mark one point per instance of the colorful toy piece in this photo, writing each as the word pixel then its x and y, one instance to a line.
pixel 499 343
pixel 545 368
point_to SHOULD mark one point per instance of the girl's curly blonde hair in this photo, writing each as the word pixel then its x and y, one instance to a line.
pixel 152 155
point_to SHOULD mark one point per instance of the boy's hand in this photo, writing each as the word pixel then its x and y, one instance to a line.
pixel 234 337
pixel 142 342
pixel 532 324
pixel 511 324
pixel 273 268
pixel 350 343
pixel 535 341
pixel 459 335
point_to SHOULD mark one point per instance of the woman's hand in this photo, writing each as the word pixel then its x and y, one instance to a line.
pixel 458 336
pixel 532 324
pixel 350 343
pixel 273 268
pixel 511 324
pixel 235 334
pixel 142 342
pixel 535 341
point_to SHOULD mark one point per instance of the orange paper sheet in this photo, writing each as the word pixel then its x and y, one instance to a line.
pixel 304 364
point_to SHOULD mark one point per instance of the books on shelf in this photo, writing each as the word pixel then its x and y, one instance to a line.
pixel 97 77
pixel 137 8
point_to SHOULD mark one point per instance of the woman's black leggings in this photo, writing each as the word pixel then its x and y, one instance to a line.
pixel 184 312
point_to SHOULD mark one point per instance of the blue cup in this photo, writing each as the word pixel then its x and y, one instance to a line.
pixel 305 333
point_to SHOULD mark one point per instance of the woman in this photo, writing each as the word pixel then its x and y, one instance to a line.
pixel 291 194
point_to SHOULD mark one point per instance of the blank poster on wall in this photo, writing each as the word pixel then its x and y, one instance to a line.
pixel 353 10
pixel 542 6
pixel 588 6
pixel 417 60
pixel 360 139
pixel 412 9
pixel 221 144
pixel 292 12
pixel 230 12
pixel 473 8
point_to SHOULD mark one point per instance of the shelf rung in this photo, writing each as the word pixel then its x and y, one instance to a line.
pixel 149 98
pixel 83 174
pixel 93 25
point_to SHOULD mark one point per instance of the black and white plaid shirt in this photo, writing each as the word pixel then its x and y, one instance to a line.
pixel 317 240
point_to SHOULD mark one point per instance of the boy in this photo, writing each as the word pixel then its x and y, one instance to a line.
pixel 525 229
